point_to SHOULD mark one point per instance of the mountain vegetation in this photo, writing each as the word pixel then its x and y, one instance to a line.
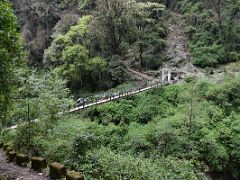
pixel 164 133
pixel 213 31
pixel 53 53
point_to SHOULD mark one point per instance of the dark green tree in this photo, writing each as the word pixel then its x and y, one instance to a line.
pixel 111 24
pixel 10 51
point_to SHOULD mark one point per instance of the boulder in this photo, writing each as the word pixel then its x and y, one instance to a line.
pixel 57 170
pixel 22 159
pixel 73 175
pixel 38 163
pixel 6 145
pixel 12 156
pixel 8 149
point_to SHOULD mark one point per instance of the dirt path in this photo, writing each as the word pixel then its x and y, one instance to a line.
pixel 141 75
pixel 177 51
pixel 136 74
pixel 12 171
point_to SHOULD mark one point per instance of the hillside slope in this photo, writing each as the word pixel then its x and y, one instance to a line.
pixel 177 47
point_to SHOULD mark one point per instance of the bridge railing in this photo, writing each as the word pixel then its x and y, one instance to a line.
pixel 107 97
pixel 97 99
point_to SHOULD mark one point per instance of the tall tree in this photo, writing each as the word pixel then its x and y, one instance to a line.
pixel 10 50
pixel 111 23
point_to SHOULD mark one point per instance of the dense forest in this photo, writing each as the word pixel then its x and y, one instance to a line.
pixel 57 55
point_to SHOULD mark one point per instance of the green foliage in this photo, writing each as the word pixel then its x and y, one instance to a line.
pixel 173 132
pixel 112 34
pixel 151 34
pixel 191 126
pixel 72 59
pixel 196 125
pixel 141 109
pixel 75 61
pixel 110 25
pixel 41 96
pixel 208 56
pixel 105 164
pixel 45 93
pixel 213 38
pixel 10 51
pixel 226 95
pixel 86 5
pixel 131 30
pixel 118 70
pixel 136 139
pixel 73 37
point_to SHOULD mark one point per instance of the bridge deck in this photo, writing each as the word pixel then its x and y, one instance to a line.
pixel 109 99
pixel 116 97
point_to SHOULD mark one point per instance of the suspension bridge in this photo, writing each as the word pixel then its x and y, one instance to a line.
pixel 168 77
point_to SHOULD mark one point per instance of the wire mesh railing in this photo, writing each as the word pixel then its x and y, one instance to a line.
pixel 90 101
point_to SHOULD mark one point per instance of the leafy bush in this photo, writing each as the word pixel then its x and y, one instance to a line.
pixel 105 164
pixel 226 95
pixel 193 125
pixel 136 139
pixel 210 39
pixel 209 56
